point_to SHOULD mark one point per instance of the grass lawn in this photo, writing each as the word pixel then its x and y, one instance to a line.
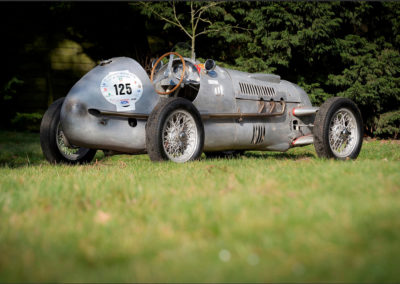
pixel 263 217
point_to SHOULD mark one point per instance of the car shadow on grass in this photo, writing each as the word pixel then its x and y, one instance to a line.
pixel 279 155
pixel 268 155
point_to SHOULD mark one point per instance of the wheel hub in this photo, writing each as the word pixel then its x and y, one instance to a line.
pixel 343 133
pixel 180 136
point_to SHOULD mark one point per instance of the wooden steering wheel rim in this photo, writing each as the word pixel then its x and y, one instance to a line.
pixel 182 75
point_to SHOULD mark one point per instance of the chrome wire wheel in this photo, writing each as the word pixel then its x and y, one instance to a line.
pixel 343 133
pixel 174 131
pixel 68 152
pixel 180 136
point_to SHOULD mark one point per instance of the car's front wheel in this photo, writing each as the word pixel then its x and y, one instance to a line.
pixel 338 129
pixel 53 142
pixel 174 131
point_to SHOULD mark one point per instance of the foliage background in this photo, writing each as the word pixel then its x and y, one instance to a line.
pixel 348 49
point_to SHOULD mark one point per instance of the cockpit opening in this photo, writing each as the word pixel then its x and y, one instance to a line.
pixel 180 77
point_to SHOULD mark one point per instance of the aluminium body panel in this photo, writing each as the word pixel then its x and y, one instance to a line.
pixel 86 130
pixel 231 91
pixel 271 133
pixel 216 93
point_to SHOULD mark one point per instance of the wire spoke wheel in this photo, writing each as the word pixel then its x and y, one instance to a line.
pixel 174 131
pixel 69 152
pixel 179 136
pixel 338 129
pixel 343 133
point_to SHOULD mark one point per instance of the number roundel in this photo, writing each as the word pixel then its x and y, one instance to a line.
pixel 122 88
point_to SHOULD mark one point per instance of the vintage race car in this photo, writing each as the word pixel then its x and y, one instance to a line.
pixel 187 107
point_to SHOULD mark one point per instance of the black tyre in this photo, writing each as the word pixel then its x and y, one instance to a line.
pixel 52 140
pixel 338 129
pixel 174 131
pixel 224 154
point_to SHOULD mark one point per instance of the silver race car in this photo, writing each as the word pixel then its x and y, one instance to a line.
pixel 187 107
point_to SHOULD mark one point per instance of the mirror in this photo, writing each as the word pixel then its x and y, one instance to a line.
pixel 209 65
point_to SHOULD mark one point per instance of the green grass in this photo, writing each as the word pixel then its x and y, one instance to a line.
pixel 264 217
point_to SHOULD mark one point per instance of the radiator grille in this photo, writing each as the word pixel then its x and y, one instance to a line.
pixel 256 90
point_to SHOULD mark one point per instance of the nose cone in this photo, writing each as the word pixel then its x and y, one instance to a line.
pixel 92 91
pixel 75 107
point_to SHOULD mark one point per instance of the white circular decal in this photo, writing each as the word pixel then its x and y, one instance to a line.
pixel 122 88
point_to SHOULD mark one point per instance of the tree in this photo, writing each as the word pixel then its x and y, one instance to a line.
pixel 371 76
pixel 192 18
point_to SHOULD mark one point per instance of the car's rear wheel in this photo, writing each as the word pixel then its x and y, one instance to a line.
pixel 338 129
pixel 174 131
pixel 53 141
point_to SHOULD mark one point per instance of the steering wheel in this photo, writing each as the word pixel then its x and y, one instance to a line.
pixel 168 71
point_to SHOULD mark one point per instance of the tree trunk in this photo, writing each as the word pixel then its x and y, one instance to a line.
pixel 193 45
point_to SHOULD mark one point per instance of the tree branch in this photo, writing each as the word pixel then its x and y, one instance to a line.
pixel 192 18
pixel 240 28
pixel 206 21
pixel 202 9
pixel 159 15
pixel 179 23
pixel 210 31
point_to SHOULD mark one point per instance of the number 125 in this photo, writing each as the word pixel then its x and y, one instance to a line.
pixel 119 89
